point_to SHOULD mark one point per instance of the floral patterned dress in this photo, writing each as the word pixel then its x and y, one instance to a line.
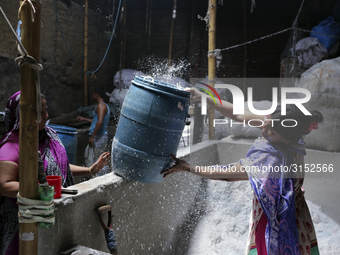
pixel 278 193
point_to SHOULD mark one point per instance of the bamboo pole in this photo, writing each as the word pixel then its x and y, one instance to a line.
pixel 172 31
pixel 212 62
pixel 86 103
pixel 28 132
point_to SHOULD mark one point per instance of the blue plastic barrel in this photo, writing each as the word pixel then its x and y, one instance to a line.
pixel 149 130
pixel 68 136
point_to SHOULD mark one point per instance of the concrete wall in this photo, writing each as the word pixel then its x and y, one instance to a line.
pixel 159 218
pixel 61 79
pixel 323 188
pixel 147 217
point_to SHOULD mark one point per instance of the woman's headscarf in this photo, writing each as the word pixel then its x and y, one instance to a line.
pixel 51 148
pixel 12 113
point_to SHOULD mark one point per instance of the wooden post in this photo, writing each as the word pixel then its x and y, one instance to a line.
pixel 212 61
pixel 86 103
pixel 28 132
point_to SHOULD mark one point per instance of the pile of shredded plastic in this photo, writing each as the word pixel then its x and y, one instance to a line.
pixel 224 228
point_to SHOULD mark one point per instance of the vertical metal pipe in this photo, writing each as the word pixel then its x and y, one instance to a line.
pixel 173 13
pixel 245 49
pixel 122 45
pixel 124 35
pixel 147 16
pixel 85 52
pixel 150 19
pixel 28 132
pixel 212 61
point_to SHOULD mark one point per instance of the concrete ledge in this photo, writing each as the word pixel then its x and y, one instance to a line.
pixel 323 188
pixel 146 216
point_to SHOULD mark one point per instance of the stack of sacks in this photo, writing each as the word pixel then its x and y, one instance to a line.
pixel 310 51
pixel 117 96
pixel 123 78
pixel 323 81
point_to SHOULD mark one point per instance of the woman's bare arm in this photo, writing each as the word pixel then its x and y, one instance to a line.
pixel 231 173
pixel 9 179
pixel 226 109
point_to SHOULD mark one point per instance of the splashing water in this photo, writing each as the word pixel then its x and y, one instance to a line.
pixel 159 69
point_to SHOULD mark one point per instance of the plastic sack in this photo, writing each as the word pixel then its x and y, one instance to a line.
pixel 322 80
pixel 310 51
pixel 328 27
pixel 327 136
pixel 117 96
pixel 323 77
pixel 123 78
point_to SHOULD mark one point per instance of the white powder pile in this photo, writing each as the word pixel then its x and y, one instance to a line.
pixel 224 228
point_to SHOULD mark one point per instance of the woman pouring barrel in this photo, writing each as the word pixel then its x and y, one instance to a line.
pixel 280 221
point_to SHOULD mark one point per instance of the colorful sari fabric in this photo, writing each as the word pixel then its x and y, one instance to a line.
pixel 55 162
pixel 278 194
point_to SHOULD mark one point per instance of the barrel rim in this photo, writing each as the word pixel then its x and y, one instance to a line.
pixel 159 85
pixel 63 129
pixel 156 90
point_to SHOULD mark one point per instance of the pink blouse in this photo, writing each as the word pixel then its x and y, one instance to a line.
pixel 10 150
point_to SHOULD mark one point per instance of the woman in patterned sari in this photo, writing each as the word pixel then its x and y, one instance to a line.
pixel 55 162
pixel 280 221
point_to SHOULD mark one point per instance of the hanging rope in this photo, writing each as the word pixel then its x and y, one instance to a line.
pixel 108 47
pixel 31 62
pixel 150 20
pixel 312 32
pixel 26 59
pixel 298 14
pixel 32 9
pixel 252 41
pixel 15 35
pixel 147 16
pixel 253 4
pixel 295 23
pixel 294 28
